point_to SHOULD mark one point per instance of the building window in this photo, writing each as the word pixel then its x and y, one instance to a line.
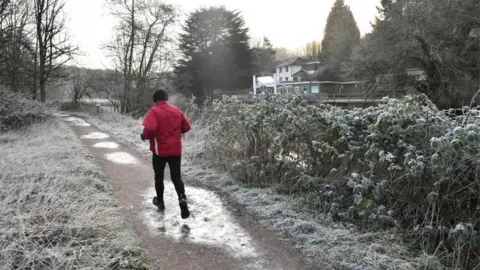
pixel 295 79
pixel 286 79
pixel 299 79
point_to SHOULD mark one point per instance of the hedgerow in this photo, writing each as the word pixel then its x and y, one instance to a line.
pixel 17 110
pixel 402 164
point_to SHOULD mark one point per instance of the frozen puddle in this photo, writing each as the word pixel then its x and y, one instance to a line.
pixel 61 115
pixel 210 223
pixel 95 135
pixel 121 158
pixel 75 121
pixel 110 145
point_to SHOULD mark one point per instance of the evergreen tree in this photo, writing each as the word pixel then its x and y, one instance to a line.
pixel 216 53
pixel 264 55
pixel 340 36
pixel 435 36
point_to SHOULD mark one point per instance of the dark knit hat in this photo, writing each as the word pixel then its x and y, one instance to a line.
pixel 160 95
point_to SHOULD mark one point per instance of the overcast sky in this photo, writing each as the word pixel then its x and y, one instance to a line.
pixel 289 24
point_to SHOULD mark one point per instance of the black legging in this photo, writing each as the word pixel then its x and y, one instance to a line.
pixel 174 163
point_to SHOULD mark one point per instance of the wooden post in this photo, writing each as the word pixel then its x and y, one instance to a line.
pixel 275 83
pixel 254 85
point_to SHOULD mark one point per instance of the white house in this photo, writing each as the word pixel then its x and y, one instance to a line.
pixel 266 82
pixel 417 73
pixel 296 69
pixel 474 33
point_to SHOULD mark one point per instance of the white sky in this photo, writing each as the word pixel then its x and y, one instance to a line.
pixel 289 24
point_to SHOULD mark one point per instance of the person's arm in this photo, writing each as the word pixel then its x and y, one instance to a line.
pixel 186 127
pixel 149 125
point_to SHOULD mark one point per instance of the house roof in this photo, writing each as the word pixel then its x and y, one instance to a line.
pixel 291 61
pixel 474 33
pixel 414 69
pixel 300 72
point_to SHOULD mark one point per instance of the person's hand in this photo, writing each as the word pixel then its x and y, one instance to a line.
pixel 141 136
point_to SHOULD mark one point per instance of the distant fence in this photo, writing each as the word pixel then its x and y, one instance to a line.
pixel 372 97
pixel 347 98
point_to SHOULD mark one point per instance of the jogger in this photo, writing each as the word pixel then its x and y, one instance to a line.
pixel 163 126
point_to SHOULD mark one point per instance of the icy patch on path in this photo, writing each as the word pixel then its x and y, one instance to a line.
pixel 61 114
pixel 210 222
pixel 110 145
pixel 95 135
pixel 75 121
pixel 121 158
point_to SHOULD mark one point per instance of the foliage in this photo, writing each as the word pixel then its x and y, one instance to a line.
pixel 340 36
pixel 215 53
pixel 264 55
pixel 434 35
pixel 17 110
pixel 403 163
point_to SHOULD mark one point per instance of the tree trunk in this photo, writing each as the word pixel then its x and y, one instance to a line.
pixel 40 6
pixel 35 71
pixel 42 82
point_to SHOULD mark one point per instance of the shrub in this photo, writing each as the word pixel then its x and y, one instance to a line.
pixel 16 111
pixel 402 163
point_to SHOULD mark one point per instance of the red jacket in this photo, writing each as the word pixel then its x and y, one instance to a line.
pixel 164 125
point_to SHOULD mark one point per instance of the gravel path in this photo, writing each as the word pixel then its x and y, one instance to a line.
pixel 216 236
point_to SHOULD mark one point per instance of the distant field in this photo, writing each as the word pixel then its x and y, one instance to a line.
pixel 102 101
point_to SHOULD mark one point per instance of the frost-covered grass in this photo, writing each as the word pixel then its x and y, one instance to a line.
pixel 57 210
pixel 343 245
pixel 340 245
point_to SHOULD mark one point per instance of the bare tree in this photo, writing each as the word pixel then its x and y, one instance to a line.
pixel 282 53
pixel 141 46
pixel 53 49
pixel 112 88
pixel 17 47
pixel 4 28
pixel 312 50
pixel 81 85
pixel 3 6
